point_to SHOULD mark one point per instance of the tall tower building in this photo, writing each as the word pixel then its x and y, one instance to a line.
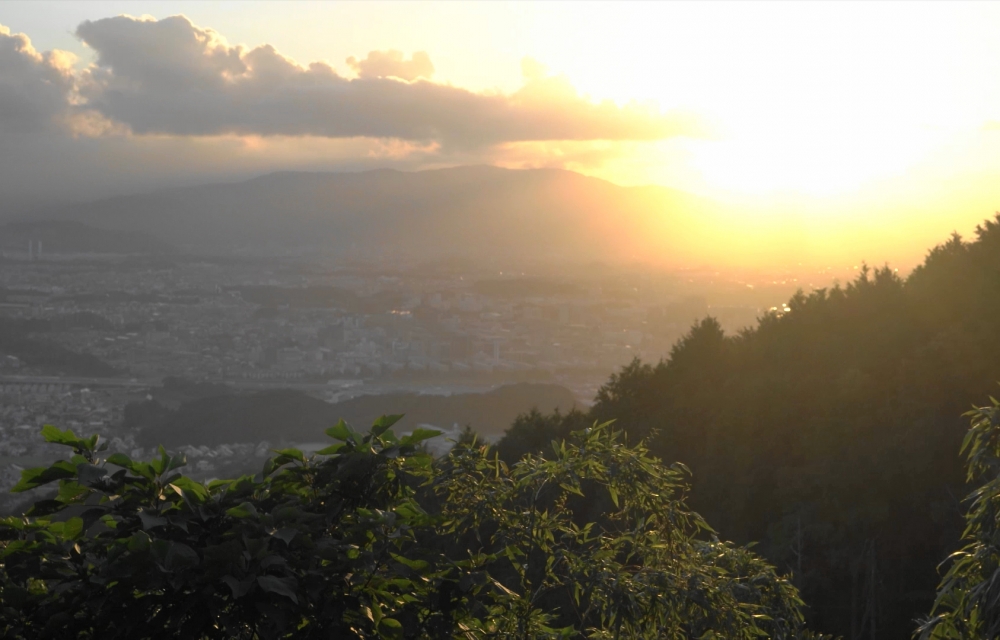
pixel 31 250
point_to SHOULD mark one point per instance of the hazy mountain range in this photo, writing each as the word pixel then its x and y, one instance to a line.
pixel 477 211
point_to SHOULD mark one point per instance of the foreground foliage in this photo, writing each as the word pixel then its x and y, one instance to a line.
pixel 373 538
pixel 968 600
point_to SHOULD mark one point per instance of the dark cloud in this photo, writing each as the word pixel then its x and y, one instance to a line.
pixel 171 77
pixel 392 64
pixel 34 87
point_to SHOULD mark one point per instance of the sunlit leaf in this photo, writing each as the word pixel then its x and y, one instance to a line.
pixel 390 628
pixel 55 435
pixel 417 436
pixel 340 431
pixel 384 423
pixel 244 510
pixel 36 477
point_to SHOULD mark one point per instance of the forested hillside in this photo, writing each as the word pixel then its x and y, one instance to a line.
pixel 24 340
pixel 830 433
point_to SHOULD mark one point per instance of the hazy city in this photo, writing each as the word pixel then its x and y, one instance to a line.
pixel 88 334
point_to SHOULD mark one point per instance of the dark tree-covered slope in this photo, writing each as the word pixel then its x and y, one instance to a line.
pixel 25 341
pixel 830 433
pixel 292 416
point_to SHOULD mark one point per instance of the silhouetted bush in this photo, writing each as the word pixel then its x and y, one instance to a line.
pixel 372 538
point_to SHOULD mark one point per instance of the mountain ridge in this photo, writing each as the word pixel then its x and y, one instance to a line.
pixel 480 210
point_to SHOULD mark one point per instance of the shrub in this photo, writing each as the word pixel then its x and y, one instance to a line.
pixel 373 538
pixel 968 599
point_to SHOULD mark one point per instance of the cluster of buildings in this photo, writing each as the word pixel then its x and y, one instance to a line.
pixel 255 322
pixel 25 406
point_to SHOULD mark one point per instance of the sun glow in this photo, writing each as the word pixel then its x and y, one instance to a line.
pixel 794 158
pixel 820 99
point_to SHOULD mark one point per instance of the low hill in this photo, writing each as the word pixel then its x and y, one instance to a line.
pixel 488 413
pixel 292 416
pixel 25 340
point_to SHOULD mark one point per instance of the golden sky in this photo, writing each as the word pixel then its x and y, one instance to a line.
pixel 849 129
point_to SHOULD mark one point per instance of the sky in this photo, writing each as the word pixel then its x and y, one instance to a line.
pixel 867 130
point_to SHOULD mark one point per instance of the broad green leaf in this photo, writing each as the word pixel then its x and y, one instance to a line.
pixel 291 454
pixel 269 467
pixel 238 587
pixel 390 628
pixel 120 460
pixel 418 435
pixel 281 586
pixel 55 435
pixel 285 534
pixel 384 423
pixel 244 510
pixel 416 565
pixel 340 431
pixel 36 477
pixel 173 556
pixel 614 494
pixel 44 508
pixel 190 489
pixel 70 491
pixel 332 449
pixel 73 528
pixel 177 461
pixel 151 521
pixel 139 542
pixel 89 474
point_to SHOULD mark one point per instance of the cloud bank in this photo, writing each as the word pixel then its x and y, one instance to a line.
pixel 34 87
pixel 167 100
pixel 172 77
pixel 392 64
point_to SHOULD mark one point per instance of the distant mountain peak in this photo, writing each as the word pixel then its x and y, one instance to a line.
pixel 479 211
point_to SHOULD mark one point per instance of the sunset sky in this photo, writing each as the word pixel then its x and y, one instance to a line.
pixel 853 129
